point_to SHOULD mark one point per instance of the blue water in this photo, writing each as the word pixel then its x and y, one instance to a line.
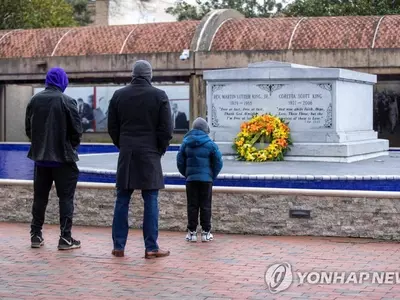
pixel 355 185
pixel 15 165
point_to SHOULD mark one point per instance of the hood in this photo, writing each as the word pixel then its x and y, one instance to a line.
pixel 142 69
pixel 201 124
pixel 58 78
pixel 196 138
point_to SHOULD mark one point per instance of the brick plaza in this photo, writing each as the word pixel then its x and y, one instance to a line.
pixel 231 267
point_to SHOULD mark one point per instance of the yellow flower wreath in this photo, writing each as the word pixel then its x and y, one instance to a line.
pixel 261 130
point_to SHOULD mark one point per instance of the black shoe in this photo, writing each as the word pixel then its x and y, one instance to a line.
pixel 68 243
pixel 36 241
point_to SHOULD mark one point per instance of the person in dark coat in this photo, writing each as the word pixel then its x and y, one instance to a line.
pixel 53 126
pixel 140 126
pixel 199 161
pixel 86 114
pixel 179 119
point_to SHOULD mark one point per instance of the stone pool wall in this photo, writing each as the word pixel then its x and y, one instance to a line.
pixel 232 213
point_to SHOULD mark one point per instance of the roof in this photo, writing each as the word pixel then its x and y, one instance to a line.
pixel 97 40
pixel 351 32
pixel 358 32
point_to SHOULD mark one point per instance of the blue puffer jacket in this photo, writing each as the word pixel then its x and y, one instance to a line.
pixel 199 158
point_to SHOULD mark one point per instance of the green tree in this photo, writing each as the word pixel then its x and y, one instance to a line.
pixel 315 8
pixel 82 15
pixel 24 14
pixel 48 13
pixel 10 14
pixel 249 8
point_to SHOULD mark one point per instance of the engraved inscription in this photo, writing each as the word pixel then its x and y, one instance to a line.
pixel 304 105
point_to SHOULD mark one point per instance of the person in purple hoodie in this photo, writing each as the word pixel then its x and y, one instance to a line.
pixel 53 126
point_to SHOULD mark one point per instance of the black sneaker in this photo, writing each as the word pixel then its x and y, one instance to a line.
pixel 36 241
pixel 68 243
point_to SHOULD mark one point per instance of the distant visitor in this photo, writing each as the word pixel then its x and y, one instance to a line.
pixel 140 126
pixel 53 126
pixel 179 119
pixel 199 161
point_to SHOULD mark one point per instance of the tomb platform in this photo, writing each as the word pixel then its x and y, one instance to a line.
pixel 373 174
pixel 329 110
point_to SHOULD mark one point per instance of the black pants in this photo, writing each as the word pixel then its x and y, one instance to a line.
pixel 65 179
pixel 199 196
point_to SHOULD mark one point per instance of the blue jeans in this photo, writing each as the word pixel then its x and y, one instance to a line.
pixel 120 225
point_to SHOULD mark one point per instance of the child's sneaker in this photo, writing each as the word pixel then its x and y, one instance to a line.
pixel 206 236
pixel 191 236
pixel 36 241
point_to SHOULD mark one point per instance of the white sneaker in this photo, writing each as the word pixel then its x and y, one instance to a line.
pixel 191 236
pixel 206 236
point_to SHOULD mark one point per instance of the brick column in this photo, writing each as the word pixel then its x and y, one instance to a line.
pixel 197 97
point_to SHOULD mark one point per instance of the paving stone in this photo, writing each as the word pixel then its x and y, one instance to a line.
pixel 201 271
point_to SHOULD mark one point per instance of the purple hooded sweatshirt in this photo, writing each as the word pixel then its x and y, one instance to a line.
pixel 58 78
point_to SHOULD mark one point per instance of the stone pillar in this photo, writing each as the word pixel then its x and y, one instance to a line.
pixel 202 42
pixel 102 12
pixel 197 90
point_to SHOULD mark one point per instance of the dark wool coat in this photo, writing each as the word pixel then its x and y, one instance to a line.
pixel 140 125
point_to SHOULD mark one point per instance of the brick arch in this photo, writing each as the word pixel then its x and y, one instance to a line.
pixel 269 34
pixel 30 43
pixel 254 34
pixel 335 33
pixel 93 40
pixel 388 34
pixel 161 37
pixel 4 32
pixel 97 40
pixel 308 33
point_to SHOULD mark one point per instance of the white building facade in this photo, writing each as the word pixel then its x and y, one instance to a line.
pixel 124 12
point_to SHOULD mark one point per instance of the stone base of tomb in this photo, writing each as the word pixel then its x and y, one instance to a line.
pixel 326 152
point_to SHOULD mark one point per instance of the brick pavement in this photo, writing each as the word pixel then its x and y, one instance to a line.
pixel 231 267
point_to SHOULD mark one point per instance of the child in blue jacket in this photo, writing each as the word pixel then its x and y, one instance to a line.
pixel 200 161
